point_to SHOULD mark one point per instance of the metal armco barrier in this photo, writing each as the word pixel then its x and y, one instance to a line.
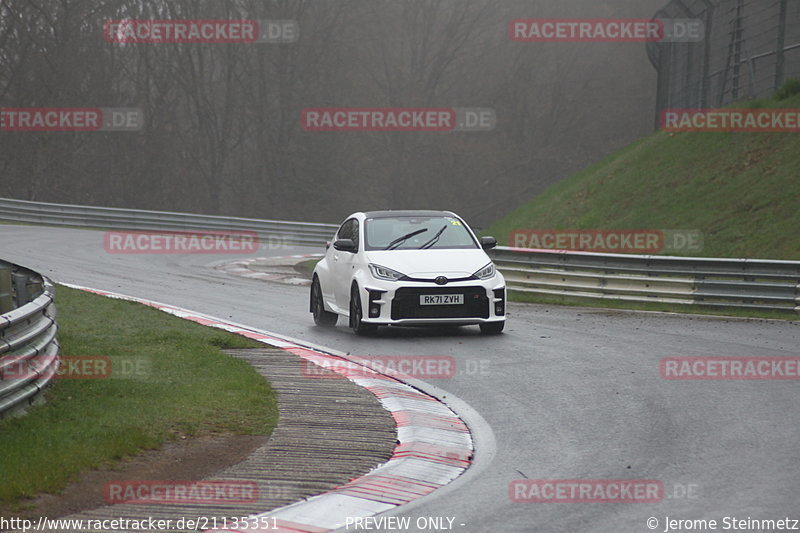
pixel 28 345
pixel 741 283
pixel 305 233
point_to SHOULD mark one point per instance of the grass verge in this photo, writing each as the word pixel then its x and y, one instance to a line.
pixel 576 301
pixel 185 387
pixel 306 268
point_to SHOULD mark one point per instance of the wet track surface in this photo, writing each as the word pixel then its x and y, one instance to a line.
pixel 565 393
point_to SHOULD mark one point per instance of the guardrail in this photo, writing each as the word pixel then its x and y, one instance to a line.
pixel 742 283
pixel 28 345
pixel 304 233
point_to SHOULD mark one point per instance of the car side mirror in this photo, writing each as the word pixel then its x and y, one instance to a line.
pixel 345 245
pixel 487 243
pixel 327 244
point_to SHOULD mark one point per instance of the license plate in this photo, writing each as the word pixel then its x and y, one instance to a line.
pixel 441 299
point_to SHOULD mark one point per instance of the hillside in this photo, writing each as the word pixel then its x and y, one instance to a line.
pixel 742 190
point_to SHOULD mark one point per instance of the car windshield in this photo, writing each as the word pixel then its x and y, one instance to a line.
pixel 412 233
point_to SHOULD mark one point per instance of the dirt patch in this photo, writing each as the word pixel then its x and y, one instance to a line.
pixel 185 459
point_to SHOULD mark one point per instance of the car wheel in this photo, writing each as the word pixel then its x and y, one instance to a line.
pixel 321 316
pixel 359 327
pixel 492 328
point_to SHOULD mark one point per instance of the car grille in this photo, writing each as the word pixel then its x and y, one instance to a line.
pixel 406 303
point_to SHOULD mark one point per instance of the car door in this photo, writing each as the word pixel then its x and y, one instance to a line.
pixel 343 263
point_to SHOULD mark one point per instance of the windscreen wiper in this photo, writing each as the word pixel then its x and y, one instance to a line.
pixel 433 239
pixel 400 240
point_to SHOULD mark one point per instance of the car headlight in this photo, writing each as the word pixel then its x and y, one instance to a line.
pixel 486 272
pixel 387 274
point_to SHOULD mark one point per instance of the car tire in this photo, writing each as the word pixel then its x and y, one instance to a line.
pixel 358 326
pixel 492 328
pixel 321 316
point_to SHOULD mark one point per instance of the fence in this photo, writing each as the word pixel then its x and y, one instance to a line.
pixel 749 49
pixel 741 283
pixel 28 345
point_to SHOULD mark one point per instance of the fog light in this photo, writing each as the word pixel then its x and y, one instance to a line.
pixel 500 303
pixel 374 307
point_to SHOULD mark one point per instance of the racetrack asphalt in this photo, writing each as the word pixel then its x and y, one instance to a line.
pixel 565 393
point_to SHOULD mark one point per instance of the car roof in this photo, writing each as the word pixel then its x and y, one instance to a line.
pixel 420 213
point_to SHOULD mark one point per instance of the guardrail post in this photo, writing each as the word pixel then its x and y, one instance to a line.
pixel 35 288
pixel 6 299
pixel 21 293
pixel 780 48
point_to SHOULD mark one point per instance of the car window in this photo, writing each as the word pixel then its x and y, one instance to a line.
pixel 381 233
pixel 349 230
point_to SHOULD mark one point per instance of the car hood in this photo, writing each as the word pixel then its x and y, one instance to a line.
pixel 427 264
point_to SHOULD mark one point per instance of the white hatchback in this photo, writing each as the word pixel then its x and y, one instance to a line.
pixel 408 268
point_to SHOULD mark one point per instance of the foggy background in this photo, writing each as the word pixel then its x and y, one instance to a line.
pixel 222 130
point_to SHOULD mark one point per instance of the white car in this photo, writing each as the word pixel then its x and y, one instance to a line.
pixel 408 268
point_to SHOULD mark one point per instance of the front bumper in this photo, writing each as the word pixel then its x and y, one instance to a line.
pixel 397 303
